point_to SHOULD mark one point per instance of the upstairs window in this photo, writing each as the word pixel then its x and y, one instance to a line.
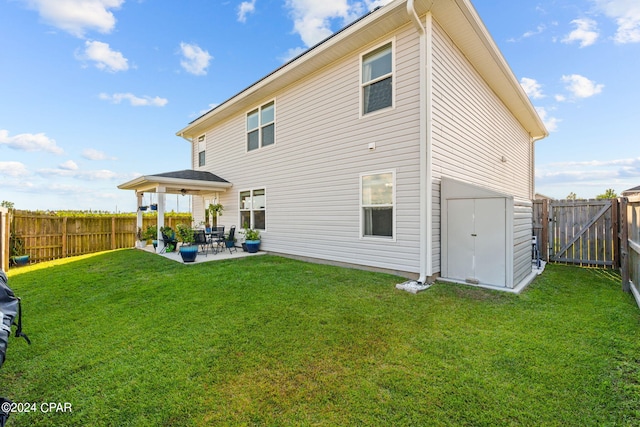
pixel 261 126
pixel 377 79
pixel 202 146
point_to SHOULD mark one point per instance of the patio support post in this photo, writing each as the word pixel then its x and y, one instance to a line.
pixel 139 212
pixel 160 191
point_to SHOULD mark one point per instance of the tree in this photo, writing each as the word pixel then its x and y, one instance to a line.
pixel 572 196
pixel 7 204
pixel 609 194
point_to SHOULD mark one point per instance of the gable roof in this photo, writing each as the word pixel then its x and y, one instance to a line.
pixel 457 17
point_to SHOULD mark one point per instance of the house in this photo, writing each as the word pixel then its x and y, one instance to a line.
pixel 403 143
pixel 631 192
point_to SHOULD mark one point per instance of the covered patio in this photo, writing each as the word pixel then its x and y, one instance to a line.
pixel 185 182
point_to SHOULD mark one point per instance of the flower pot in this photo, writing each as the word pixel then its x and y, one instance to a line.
pixel 253 246
pixel 154 207
pixel 143 208
pixel 155 244
pixel 189 253
pixel 142 244
pixel 20 260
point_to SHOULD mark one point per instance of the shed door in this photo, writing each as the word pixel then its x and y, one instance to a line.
pixel 476 247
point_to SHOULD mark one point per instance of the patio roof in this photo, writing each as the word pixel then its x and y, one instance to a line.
pixel 186 181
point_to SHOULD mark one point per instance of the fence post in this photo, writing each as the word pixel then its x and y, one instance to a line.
pixel 624 244
pixel 113 233
pixel 64 237
pixel 544 234
pixel 5 222
pixel 615 226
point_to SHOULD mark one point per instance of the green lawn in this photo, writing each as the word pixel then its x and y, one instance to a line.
pixel 130 338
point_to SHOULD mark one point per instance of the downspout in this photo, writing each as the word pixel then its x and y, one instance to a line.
pixel 426 135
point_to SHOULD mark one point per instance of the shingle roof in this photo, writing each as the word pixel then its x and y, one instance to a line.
pixel 193 175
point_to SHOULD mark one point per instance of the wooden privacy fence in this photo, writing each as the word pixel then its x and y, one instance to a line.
pixel 581 232
pixel 47 237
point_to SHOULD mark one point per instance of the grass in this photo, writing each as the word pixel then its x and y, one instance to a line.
pixel 129 338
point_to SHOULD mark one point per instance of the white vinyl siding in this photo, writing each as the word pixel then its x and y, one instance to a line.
pixel 472 131
pixel 312 173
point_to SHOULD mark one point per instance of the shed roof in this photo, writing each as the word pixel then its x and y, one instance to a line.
pixel 634 190
pixel 457 17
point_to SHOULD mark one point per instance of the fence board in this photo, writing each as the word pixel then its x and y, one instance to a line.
pixel 48 237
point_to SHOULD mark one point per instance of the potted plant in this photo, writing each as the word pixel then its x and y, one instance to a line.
pixel 141 241
pixel 214 211
pixel 151 233
pixel 252 240
pixel 188 251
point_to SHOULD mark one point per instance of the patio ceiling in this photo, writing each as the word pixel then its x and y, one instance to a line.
pixel 186 181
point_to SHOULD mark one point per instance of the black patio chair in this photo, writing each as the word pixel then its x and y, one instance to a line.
pixel 169 241
pixel 229 241
pixel 200 239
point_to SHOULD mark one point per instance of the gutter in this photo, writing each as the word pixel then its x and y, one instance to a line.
pixel 426 141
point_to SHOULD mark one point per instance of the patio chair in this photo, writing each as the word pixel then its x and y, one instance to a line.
pixel 217 238
pixel 200 239
pixel 168 241
pixel 229 241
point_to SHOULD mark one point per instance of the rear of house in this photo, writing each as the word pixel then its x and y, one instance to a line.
pixel 354 151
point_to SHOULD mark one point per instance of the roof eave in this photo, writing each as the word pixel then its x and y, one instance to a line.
pixel 456 18
pixel 150 183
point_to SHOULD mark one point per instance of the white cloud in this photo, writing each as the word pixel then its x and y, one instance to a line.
pixel 539 30
pixel 13 169
pixel 77 16
pixel 89 175
pixel 104 58
pixel 586 32
pixel 69 165
pixel 587 176
pixel 292 53
pixel 532 88
pixel 245 8
pixel 560 98
pixel 135 101
pixel 93 154
pixel 312 18
pixel 581 87
pixel 195 59
pixel 627 15
pixel 551 123
pixel 29 142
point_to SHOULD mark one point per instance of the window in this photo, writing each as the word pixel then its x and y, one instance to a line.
pixel 261 127
pixel 377 204
pixel 253 209
pixel 377 79
pixel 202 145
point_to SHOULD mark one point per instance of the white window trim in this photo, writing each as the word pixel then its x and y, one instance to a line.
pixel 393 79
pixel 260 125
pixel 240 210
pixel 202 146
pixel 395 208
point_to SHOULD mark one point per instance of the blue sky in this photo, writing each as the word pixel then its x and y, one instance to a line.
pixel 93 91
